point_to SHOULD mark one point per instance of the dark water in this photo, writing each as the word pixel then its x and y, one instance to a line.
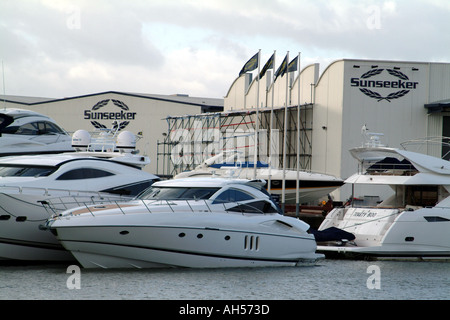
pixel 328 280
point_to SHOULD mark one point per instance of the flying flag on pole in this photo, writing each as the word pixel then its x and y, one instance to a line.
pixel 293 65
pixel 282 68
pixel 251 64
pixel 267 66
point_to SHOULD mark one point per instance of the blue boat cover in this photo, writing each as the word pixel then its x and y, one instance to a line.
pixel 331 234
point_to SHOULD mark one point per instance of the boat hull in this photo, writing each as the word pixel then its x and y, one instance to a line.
pixel 175 246
pixel 21 235
pixel 423 233
pixel 313 187
pixel 384 253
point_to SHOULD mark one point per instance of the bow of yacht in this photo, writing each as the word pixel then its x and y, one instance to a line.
pixel 195 222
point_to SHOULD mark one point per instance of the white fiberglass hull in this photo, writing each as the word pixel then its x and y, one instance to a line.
pixel 21 238
pixel 170 244
pixel 312 186
pixel 386 251
pixel 423 233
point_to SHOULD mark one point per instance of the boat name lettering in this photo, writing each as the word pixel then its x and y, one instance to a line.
pixel 364 214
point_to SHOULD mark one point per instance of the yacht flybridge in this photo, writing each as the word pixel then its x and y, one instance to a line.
pixel 195 222
pixel 32 188
pixel 28 132
pixel 413 222
pixel 312 186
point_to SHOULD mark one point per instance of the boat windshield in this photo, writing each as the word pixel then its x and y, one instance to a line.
pixel 177 193
pixel 25 171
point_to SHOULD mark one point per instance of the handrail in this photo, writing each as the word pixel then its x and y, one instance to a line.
pixel 169 203
pixel 48 191
pixel 422 144
pixel 56 205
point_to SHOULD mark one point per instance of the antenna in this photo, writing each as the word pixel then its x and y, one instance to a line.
pixel 4 91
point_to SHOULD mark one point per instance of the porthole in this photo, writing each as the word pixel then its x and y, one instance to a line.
pixel 21 218
pixel 409 239
pixel 227 238
pixel 199 236
pixel 181 235
pixel 124 232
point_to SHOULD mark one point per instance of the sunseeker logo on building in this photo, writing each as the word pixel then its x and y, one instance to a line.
pixel 370 87
pixel 123 116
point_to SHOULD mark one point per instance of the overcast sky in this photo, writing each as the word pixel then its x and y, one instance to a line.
pixel 63 48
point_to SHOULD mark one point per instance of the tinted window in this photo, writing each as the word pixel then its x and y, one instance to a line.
pixel 25 171
pixel 10 129
pixel 84 173
pixel 28 129
pixel 259 206
pixel 233 195
pixel 48 128
pixel 173 193
pixel 131 189
pixel 35 128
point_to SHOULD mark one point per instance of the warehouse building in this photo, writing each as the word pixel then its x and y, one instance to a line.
pixel 401 99
pixel 139 113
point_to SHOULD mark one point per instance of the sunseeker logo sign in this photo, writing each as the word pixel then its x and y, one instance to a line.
pixel 97 113
pixel 370 86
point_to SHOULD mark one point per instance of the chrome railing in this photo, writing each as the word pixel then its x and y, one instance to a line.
pixel 49 191
pixel 94 206
pixel 57 205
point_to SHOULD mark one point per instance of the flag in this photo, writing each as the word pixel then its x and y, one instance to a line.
pixel 251 64
pixel 281 69
pixel 293 65
pixel 267 66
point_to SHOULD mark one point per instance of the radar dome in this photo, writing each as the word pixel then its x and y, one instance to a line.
pixel 81 140
pixel 126 141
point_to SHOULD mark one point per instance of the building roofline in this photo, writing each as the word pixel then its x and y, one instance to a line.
pixel 181 99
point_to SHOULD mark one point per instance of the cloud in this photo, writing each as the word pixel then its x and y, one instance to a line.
pixel 63 48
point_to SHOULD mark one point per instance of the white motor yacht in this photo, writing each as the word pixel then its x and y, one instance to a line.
pixel 413 223
pixel 33 187
pixel 312 186
pixel 28 132
pixel 195 222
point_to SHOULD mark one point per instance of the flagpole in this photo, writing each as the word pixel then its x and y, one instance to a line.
pixel 283 193
pixel 297 209
pixel 4 90
pixel 255 156
pixel 271 123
